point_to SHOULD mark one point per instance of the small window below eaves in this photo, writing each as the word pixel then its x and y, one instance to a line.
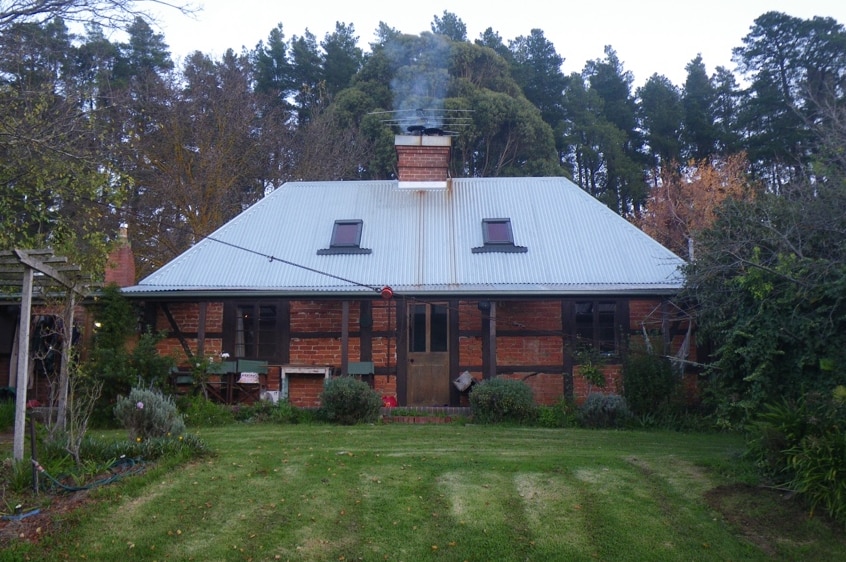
pixel 498 237
pixel 346 238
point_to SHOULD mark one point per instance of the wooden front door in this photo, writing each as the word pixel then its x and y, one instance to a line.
pixel 428 355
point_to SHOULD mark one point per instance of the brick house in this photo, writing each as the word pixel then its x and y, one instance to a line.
pixel 411 282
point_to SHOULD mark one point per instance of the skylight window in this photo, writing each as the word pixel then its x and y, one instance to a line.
pixel 498 237
pixel 497 231
pixel 346 238
pixel 346 234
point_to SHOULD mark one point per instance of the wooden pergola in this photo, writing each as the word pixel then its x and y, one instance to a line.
pixel 24 273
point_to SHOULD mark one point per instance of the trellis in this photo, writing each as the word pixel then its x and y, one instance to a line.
pixel 28 273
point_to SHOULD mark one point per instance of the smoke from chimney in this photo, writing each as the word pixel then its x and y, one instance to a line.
pixel 422 75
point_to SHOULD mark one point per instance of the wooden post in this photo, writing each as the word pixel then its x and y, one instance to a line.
pixel 64 370
pixel 33 455
pixel 30 261
pixel 345 337
pixel 201 329
pixel 491 374
pixel 665 328
pixel 23 363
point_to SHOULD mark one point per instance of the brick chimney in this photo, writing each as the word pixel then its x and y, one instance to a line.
pixel 423 161
pixel 120 267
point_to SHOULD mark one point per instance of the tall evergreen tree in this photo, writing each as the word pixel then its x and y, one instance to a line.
pixel 342 57
pixel 306 75
pixel 536 66
pixel 491 39
pixel 700 133
pixel 146 52
pixel 273 70
pixel 661 116
pixel 95 60
pixel 450 25
pixel 725 112
pixel 384 34
pixel 605 144
pixel 792 64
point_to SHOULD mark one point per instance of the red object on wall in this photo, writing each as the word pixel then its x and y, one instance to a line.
pixel 389 402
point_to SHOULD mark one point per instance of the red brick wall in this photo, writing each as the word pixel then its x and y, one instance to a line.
pixel 430 163
pixel 304 390
pixel 539 350
pixel 385 385
pixel 384 315
pixel 547 388
pixel 214 317
pixel 384 353
pixel 514 316
pixel 323 351
pixel 315 316
pixel 534 315
pixel 613 383
pixel 273 380
pixel 322 317
pixel 648 313
pixel 640 310
pixel 187 318
pixel 470 350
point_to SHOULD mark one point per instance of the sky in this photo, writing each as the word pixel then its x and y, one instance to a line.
pixel 649 36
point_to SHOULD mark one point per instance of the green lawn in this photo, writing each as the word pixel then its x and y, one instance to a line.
pixel 433 492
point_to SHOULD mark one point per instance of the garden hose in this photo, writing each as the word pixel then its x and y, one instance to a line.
pixel 133 466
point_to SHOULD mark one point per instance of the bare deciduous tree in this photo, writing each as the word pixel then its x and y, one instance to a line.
pixel 108 13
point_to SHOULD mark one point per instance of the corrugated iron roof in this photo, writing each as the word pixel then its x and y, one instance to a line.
pixel 422 242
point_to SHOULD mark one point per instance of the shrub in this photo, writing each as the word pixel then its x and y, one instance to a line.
pixel 817 463
pixel 285 412
pixel 265 411
pixel 98 458
pixel 176 446
pixel 7 414
pixel 560 414
pixel 777 428
pixel 118 366
pixel 308 415
pixel 604 410
pixel 148 413
pixel 684 421
pixel 182 447
pixel 199 411
pixel 502 400
pixel 591 364
pixel 349 401
pixel 801 444
pixel 649 385
pixel 15 476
